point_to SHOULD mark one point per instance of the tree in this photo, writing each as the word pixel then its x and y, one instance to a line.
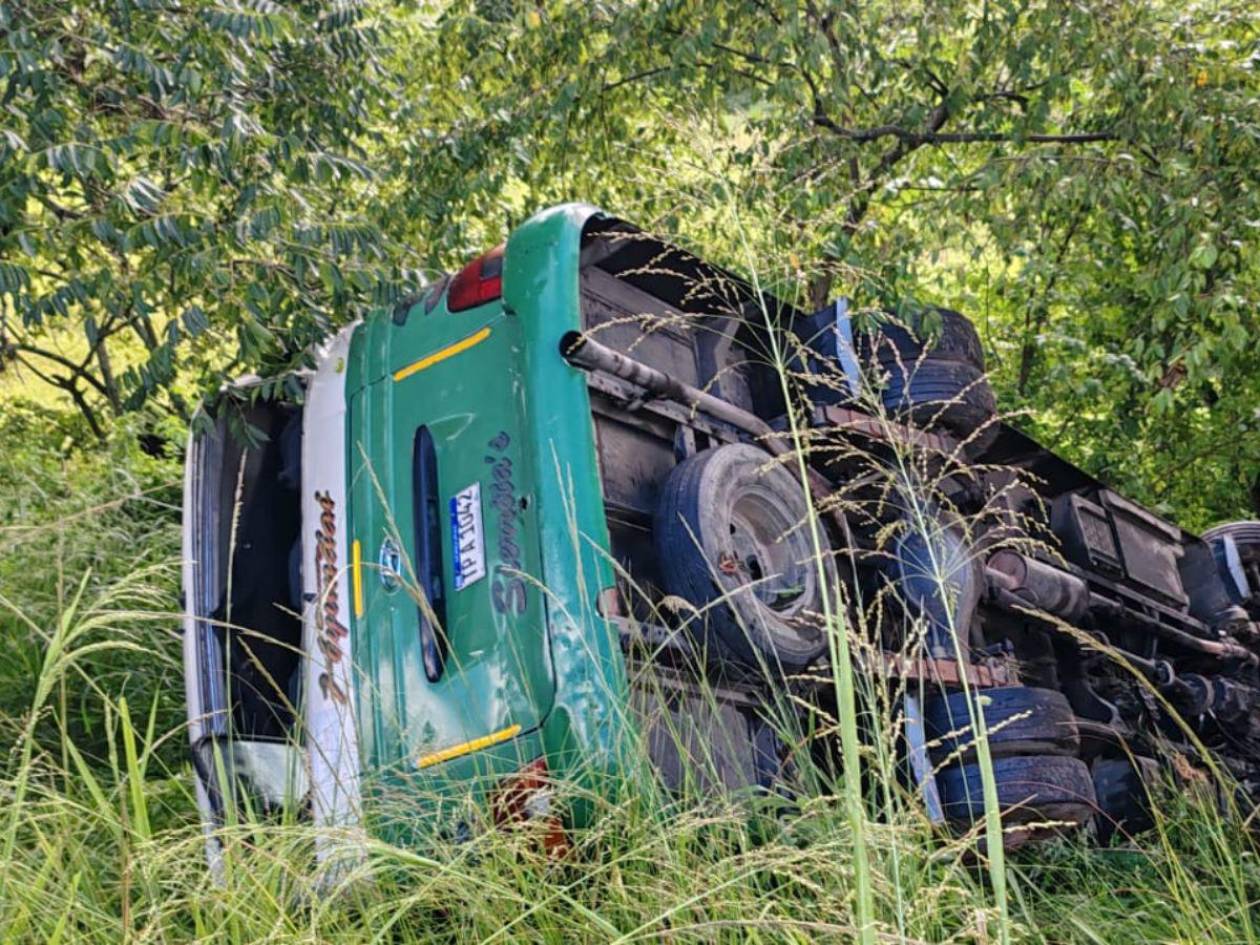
pixel 171 167
pixel 1080 177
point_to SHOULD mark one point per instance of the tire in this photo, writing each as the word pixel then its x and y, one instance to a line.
pixel 1029 788
pixel 954 339
pixel 731 538
pixel 934 364
pixel 1020 720
pixel 1124 806
pixel 1246 536
pixel 937 394
pixel 1243 533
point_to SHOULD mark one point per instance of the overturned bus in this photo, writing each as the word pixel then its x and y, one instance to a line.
pixel 591 459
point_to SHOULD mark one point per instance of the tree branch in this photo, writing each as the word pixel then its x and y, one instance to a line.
pixel 861 202
pixel 77 372
pixel 70 387
pixel 919 138
pixel 645 74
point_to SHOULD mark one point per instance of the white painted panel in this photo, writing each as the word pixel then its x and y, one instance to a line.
pixel 332 744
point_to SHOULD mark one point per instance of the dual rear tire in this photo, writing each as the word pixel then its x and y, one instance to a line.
pixel 1033 743
pixel 1030 789
pixel 735 539
pixel 932 370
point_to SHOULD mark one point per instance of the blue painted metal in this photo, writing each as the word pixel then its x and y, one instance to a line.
pixel 845 352
pixel 920 761
pixel 1228 561
pixel 935 572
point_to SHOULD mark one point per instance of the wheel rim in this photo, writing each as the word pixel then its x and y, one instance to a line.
pixel 768 553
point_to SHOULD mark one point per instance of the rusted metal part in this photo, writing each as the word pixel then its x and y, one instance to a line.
pixel 947 672
pixel 938 672
pixel 1037 585
pixel 623 401
pixel 1222 649
pixel 1024 585
pixel 941 672
pixel 854 421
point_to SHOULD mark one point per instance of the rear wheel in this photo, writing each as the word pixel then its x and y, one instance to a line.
pixel 945 334
pixel 933 368
pixel 733 535
pixel 1243 533
pixel 1020 720
pixel 942 395
pixel 1246 539
pixel 1030 788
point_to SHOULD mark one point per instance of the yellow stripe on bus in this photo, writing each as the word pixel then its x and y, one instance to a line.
pixel 467 748
pixel 356 576
pixel 448 352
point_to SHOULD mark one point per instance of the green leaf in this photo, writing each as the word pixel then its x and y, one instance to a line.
pixel 1204 256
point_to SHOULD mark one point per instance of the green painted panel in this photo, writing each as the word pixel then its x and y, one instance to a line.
pixel 587 732
pixel 497 670
pixel 528 646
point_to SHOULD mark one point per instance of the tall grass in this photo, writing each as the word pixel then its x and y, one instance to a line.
pixel 109 850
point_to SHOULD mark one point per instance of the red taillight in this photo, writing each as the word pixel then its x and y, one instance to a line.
pixel 528 796
pixel 479 282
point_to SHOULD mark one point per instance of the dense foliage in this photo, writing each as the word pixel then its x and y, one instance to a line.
pixel 200 188
pixel 179 190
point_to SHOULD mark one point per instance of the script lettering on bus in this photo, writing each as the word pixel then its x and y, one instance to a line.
pixel 508 591
pixel 330 631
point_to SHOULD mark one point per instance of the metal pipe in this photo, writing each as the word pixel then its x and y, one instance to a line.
pixel 1017 582
pixel 587 353
pixel 1181 691
pixel 1038 585
pixel 1222 649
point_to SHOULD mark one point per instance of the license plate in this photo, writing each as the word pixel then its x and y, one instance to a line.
pixel 468 544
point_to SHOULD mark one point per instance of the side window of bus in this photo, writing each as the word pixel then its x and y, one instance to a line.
pixel 427 512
